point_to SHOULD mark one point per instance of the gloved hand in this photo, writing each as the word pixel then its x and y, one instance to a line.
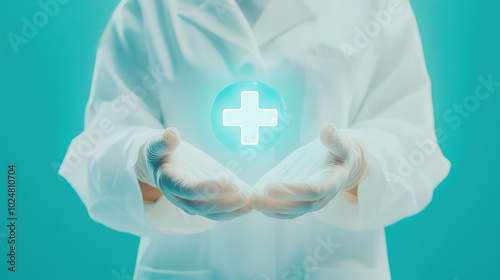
pixel 309 178
pixel 190 179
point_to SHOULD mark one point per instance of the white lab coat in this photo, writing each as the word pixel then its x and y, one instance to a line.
pixel 162 63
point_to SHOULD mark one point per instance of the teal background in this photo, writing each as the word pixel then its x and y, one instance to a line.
pixel 45 87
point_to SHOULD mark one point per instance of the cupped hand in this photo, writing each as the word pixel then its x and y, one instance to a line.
pixel 192 180
pixel 310 177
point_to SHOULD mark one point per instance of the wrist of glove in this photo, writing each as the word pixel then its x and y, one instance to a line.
pixel 143 171
pixel 305 181
pixel 190 179
pixel 309 178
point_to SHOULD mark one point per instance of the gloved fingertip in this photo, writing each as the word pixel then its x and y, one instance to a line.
pixel 327 132
pixel 334 141
pixel 328 127
pixel 171 138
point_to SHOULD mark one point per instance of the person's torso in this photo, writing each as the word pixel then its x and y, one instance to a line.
pixel 204 46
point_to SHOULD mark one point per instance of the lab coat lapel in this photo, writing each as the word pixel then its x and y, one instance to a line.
pixel 224 19
pixel 280 16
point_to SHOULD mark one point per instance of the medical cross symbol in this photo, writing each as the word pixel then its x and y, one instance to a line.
pixel 250 117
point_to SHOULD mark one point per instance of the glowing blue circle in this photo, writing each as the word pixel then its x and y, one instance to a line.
pixel 231 98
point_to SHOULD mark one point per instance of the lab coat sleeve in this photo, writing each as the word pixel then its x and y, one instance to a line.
pixel 123 111
pixel 395 128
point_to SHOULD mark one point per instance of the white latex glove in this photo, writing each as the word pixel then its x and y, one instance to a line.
pixel 190 179
pixel 309 178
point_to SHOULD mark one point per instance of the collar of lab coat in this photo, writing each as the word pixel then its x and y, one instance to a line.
pixel 224 19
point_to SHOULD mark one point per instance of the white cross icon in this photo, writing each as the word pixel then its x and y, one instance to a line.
pixel 250 117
